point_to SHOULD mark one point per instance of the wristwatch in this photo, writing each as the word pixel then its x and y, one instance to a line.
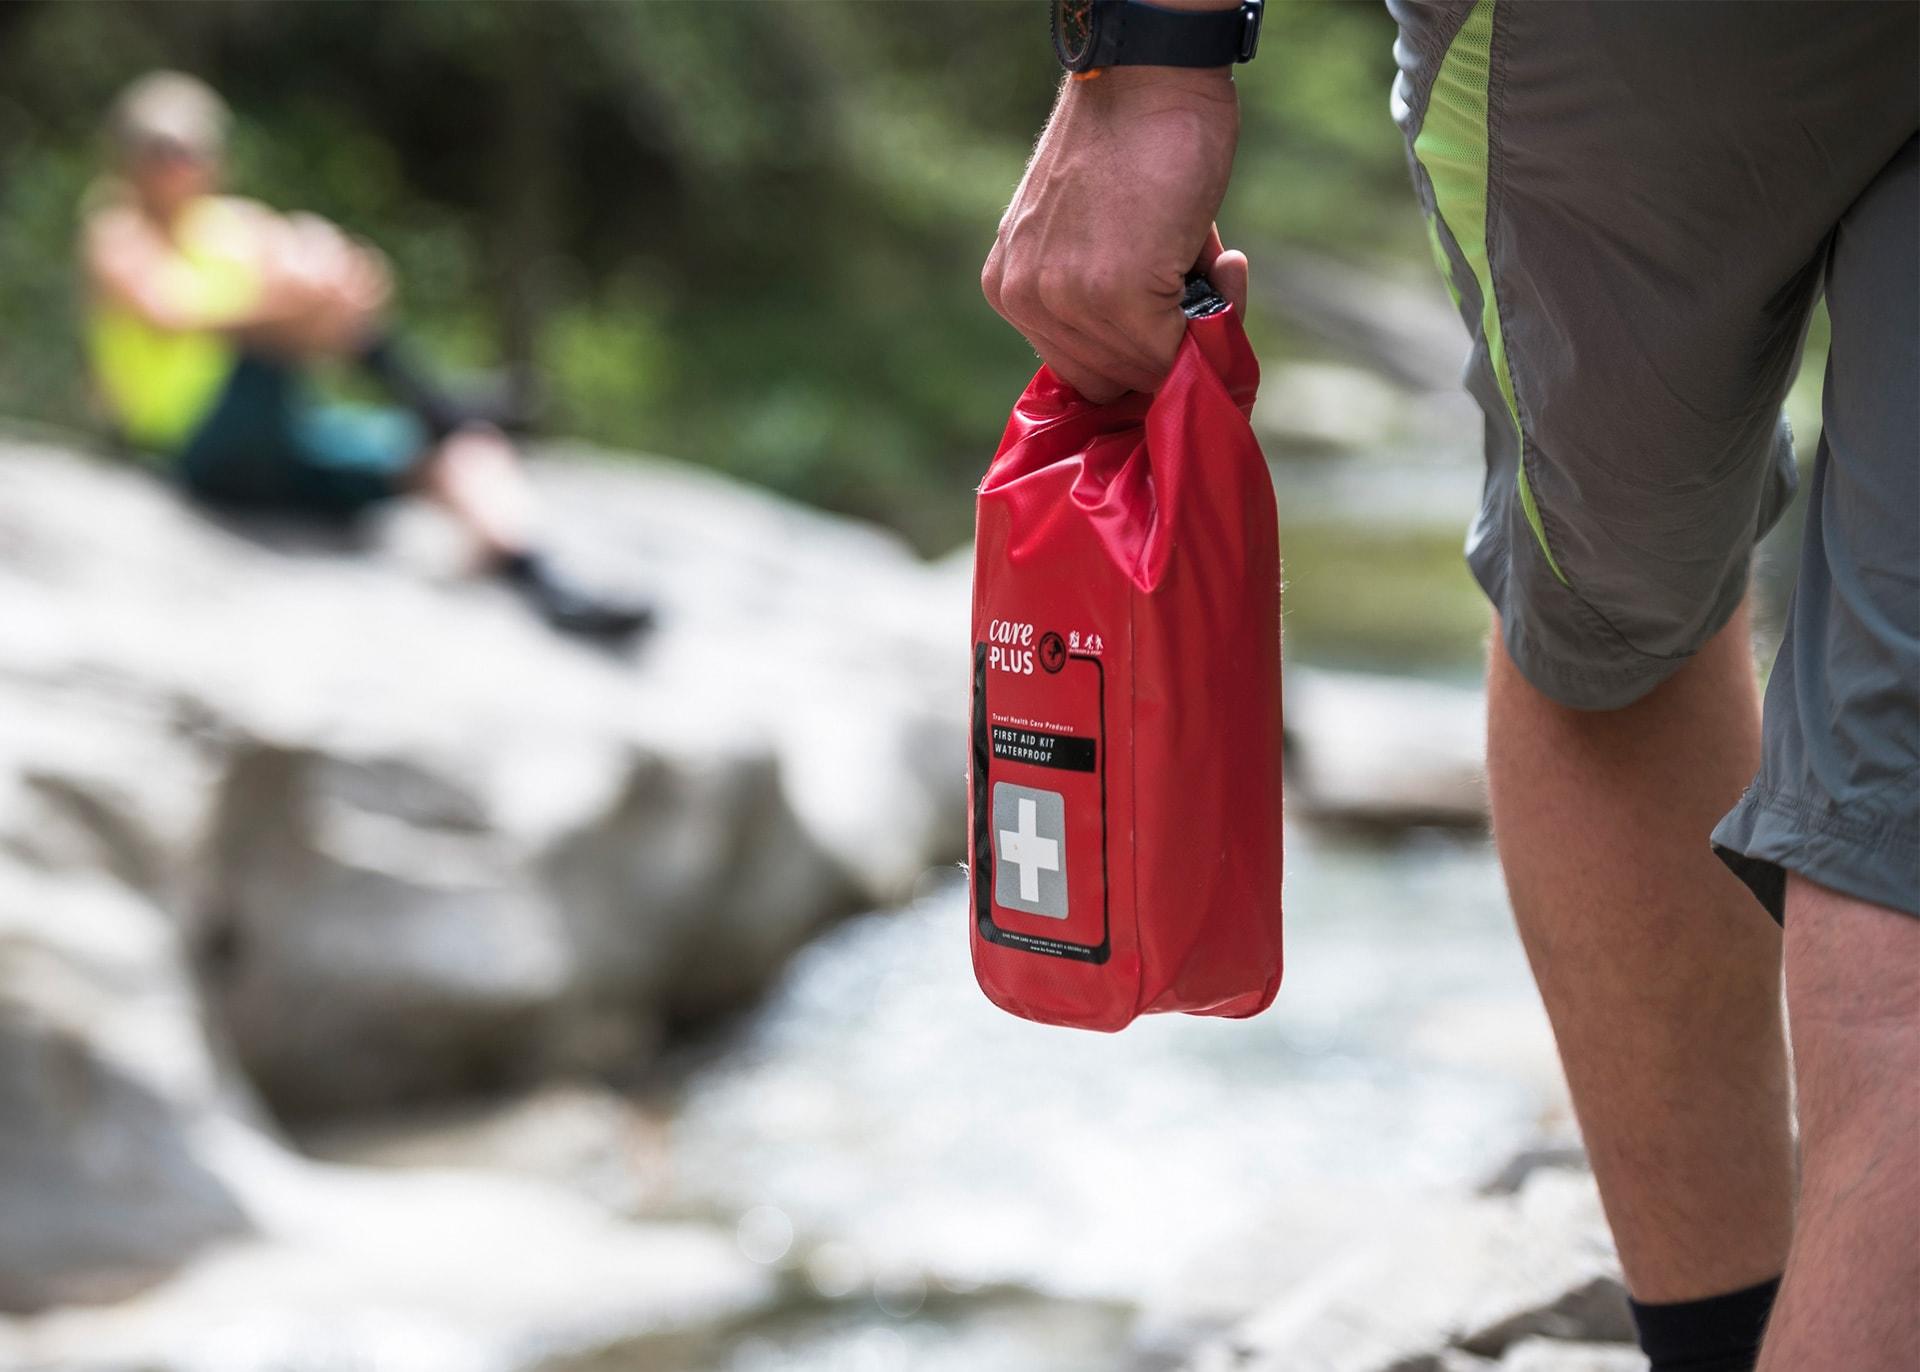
pixel 1091 34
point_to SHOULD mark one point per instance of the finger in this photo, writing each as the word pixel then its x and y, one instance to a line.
pixel 1156 338
pixel 1071 364
pixel 1091 386
pixel 1109 332
pixel 1083 360
pixel 1114 351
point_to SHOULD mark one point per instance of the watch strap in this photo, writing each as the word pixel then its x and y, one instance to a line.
pixel 1134 33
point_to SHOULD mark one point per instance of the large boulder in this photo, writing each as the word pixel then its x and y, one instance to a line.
pixel 107 1080
pixel 328 819
pixel 106 1092
pixel 419 844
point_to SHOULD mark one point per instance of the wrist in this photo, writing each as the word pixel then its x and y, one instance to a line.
pixel 1204 88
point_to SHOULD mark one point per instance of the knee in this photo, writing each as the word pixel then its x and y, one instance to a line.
pixel 1590 699
pixel 1565 642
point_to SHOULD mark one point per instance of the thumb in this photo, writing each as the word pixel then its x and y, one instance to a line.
pixel 1229 277
pixel 1226 269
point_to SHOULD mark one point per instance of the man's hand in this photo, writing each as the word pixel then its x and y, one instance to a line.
pixel 1116 208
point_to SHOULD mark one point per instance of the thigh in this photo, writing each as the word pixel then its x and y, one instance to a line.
pixel 1632 205
pixel 242 452
pixel 1837 798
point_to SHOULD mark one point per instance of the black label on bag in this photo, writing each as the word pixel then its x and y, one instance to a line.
pixel 1040 841
pixel 1039 749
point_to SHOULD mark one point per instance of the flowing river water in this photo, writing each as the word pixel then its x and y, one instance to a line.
pixel 948 1187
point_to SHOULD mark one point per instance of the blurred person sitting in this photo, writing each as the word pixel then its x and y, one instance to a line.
pixel 206 314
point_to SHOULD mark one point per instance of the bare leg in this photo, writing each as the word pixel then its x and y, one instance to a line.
pixel 1660 973
pixel 475 475
pixel 1852 1294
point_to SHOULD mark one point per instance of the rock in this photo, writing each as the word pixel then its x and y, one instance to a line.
pixel 594 1141
pixel 1443 1360
pixel 412 1272
pixel 1385 751
pixel 824 632
pixel 403 842
pixel 1566 1154
pixel 1556 1276
pixel 418 843
pixel 97 784
pixel 1553 1355
pixel 1593 1309
pixel 1469 1280
pixel 106 1091
pixel 129 1174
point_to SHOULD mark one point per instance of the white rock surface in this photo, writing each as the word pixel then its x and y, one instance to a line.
pixel 1554 1355
pixel 327 820
pixel 587 1137
pixel 420 843
pixel 1476 1278
pixel 406 1272
pixel 106 1091
pixel 1385 750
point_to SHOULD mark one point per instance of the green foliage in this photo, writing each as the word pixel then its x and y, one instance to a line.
pixel 747 233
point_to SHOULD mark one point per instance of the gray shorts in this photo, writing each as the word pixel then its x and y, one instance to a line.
pixel 1636 207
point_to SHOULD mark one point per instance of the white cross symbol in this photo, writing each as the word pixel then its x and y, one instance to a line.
pixel 1025 849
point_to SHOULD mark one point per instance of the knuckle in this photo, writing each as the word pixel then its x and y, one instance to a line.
pixel 1060 292
pixel 990 280
pixel 1020 296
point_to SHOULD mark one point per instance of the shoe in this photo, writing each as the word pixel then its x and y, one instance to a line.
pixel 572 608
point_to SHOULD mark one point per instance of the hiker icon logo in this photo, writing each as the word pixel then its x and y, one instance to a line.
pixel 1030 843
pixel 1053 652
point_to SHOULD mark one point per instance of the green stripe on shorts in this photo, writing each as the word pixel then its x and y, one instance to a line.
pixel 1452 147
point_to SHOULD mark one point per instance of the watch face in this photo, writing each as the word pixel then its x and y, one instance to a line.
pixel 1073 32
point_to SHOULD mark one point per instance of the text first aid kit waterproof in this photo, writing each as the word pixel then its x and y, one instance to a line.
pixel 1125 799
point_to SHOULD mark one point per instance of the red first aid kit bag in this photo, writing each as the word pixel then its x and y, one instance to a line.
pixel 1124 817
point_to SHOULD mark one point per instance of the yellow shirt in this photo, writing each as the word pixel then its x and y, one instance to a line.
pixel 159 383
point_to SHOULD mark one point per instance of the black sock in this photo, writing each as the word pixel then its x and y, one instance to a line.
pixel 523 567
pixel 567 605
pixel 1715 1334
